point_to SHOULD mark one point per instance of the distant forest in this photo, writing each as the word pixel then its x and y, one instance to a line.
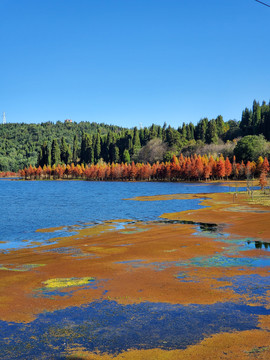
pixel 22 145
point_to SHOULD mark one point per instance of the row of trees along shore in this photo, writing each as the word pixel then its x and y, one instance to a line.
pixel 194 168
pixel 86 143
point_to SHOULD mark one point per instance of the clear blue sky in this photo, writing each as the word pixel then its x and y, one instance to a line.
pixel 127 62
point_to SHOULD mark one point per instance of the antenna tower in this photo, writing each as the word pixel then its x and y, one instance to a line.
pixel 4 118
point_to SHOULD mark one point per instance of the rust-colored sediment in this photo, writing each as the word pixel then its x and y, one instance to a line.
pixel 224 208
pixel 135 267
pixel 139 263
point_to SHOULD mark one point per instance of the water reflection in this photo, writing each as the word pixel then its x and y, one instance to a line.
pixel 258 244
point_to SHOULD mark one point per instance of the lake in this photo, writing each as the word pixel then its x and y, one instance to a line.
pixel 107 274
pixel 26 206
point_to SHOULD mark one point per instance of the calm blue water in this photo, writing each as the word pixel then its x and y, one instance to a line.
pixel 26 206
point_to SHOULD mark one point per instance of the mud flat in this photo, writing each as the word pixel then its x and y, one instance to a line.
pixel 192 285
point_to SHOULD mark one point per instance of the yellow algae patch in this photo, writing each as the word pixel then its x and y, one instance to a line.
pixel 259 198
pixel 65 282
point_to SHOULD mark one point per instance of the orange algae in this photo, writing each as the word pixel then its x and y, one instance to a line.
pixel 111 266
pixel 132 266
pixel 244 345
pixel 222 208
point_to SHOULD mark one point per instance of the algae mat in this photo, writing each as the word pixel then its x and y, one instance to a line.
pixel 193 285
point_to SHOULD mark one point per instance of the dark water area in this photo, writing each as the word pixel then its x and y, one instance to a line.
pixel 252 286
pixel 26 206
pixel 103 325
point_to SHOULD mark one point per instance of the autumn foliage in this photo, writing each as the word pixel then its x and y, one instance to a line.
pixel 194 168
pixel 7 174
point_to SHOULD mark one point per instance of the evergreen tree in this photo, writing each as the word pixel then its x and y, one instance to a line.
pixel 246 122
pixel 89 150
pixel 200 130
pixel 184 131
pixel 97 147
pixel 83 148
pixel 126 156
pixel 136 144
pixel 44 157
pixel 146 135
pixel 136 138
pixel 115 154
pixel 65 152
pixel 55 153
pixel 190 132
pixel 164 131
pixel 211 133
pixel 159 132
pixel 141 135
pixel 75 152
pixel 220 126
pixel 152 132
pixel 256 117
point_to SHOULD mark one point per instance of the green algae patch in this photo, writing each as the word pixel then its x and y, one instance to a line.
pixel 25 267
pixel 135 231
pixel 59 283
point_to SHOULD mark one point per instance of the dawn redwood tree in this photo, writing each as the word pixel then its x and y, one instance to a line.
pixel 265 165
pixel 228 167
pixel 242 169
pixel 220 168
pixel 263 180
pixel 199 167
pixel 207 172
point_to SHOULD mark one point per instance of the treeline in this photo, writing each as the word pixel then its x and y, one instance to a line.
pixel 192 168
pixel 87 143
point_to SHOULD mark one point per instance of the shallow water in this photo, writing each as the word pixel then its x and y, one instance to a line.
pixel 26 206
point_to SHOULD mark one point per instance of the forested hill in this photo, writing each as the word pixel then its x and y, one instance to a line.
pixel 85 142
pixel 20 143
